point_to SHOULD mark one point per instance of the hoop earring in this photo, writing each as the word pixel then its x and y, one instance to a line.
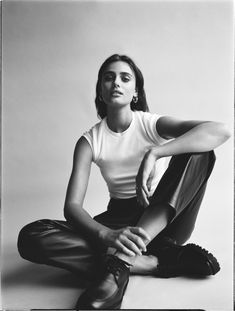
pixel 100 98
pixel 135 99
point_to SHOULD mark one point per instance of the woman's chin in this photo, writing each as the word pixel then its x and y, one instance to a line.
pixel 114 102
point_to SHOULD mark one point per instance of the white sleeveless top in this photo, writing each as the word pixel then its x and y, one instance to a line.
pixel 119 155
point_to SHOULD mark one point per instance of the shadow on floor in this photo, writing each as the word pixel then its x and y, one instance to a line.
pixel 39 275
pixel 19 272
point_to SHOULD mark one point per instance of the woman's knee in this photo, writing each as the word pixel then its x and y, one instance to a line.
pixel 29 240
pixel 208 156
pixel 203 161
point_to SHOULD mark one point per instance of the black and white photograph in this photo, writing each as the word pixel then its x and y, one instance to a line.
pixel 117 155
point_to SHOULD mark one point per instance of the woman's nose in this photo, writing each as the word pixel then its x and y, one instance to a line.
pixel 116 81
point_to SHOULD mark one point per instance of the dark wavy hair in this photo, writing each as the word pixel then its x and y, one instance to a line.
pixel 141 103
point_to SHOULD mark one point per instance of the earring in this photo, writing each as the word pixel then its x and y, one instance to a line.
pixel 100 98
pixel 135 99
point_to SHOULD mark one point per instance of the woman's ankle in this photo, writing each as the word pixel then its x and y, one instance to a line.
pixel 128 259
pixel 144 265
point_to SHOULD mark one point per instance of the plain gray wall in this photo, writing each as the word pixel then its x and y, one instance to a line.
pixel 52 51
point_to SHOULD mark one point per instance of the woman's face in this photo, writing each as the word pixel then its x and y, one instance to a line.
pixel 118 84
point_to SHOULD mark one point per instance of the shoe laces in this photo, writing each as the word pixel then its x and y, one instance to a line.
pixel 115 265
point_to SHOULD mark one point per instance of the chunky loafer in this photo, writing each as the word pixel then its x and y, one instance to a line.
pixel 190 259
pixel 108 292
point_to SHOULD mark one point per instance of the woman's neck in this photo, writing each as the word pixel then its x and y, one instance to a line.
pixel 119 120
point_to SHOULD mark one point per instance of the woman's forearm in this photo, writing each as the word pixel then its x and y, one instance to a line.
pixel 79 218
pixel 203 137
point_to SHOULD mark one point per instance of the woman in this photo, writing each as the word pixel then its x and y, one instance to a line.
pixel 153 205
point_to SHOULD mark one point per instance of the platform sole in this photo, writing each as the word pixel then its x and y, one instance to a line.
pixel 203 264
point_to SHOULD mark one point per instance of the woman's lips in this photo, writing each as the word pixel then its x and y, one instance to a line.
pixel 116 93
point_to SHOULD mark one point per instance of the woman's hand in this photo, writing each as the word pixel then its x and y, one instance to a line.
pixel 145 176
pixel 129 240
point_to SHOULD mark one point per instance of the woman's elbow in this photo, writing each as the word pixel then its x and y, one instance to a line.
pixel 225 132
pixel 66 212
pixel 70 210
pixel 222 132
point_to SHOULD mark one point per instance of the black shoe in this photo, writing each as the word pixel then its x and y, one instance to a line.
pixel 187 260
pixel 108 292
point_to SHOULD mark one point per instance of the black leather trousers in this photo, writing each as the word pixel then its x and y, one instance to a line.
pixel 58 243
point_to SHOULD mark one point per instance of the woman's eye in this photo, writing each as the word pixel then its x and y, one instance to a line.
pixel 108 78
pixel 125 79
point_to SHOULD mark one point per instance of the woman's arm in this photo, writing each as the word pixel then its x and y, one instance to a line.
pixel 130 240
pixel 73 207
pixel 189 137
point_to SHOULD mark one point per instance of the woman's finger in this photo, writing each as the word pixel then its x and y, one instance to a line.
pixel 141 232
pixel 130 245
pixel 137 240
pixel 150 179
pixel 145 189
pixel 149 183
pixel 144 199
pixel 141 196
pixel 122 248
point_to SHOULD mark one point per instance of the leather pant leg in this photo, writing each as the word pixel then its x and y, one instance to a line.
pixel 182 187
pixel 56 243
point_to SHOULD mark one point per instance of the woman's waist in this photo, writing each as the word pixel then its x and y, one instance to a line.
pixel 125 205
